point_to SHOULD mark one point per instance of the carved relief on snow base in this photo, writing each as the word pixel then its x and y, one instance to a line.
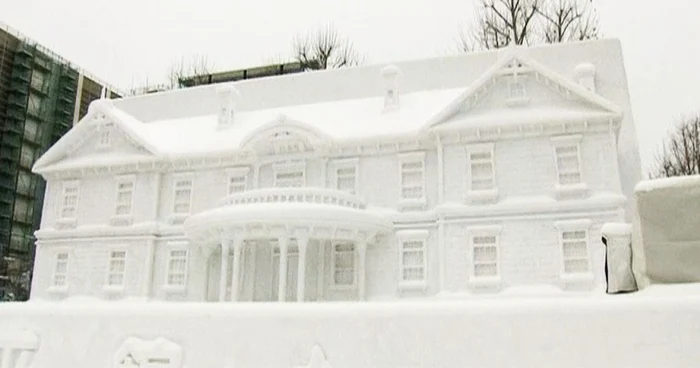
pixel 17 348
pixel 317 359
pixel 158 353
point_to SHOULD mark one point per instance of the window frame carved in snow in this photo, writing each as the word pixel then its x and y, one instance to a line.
pixel 170 272
pixel 481 194
pixel 419 237
pixel 124 200
pixel 346 164
pixel 572 143
pixel 287 168
pixel 335 269
pixel 68 212
pixel 413 158
pixel 116 256
pixel 61 257
pixel 177 216
pixel 237 180
pixel 571 227
pixel 483 232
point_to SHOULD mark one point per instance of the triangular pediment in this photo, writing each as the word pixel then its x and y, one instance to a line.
pixel 101 133
pixel 107 137
pixel 516 87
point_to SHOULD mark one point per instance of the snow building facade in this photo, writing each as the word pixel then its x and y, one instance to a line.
pixel 458 175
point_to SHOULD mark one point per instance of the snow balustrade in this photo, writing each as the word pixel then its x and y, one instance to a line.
pixel 662 246
pixel 286 217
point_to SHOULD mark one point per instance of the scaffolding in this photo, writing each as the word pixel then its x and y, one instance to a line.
pixel 39 110
pixel 39 103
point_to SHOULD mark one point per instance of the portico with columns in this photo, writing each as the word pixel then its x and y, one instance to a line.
pixel 287 244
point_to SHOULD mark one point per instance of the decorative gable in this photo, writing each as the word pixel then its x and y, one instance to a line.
pixel 524 89
pixel 284 136
pixel 106 137
pixel 104 132
pixel 519 90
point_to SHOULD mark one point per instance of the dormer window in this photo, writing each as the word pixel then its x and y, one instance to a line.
pixel 516 90
pixel 105 138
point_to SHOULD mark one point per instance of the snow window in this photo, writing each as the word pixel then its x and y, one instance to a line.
pixel 236 184
pixel 343 264
pixel 69 204
pixel 412 258
pixel 182 196
pixel 105 138
pixel 412 171
pixel 484 255
pixel 290 175
pixel 177 268
pixel 482 172
pixel 346 179
pixel 574 245
pixel 346 175
pixel 568 164
pixel 516 89
pixel 117 268
pixel 125 195
pixel 60 270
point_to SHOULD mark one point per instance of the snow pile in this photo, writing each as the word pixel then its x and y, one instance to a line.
pixel 646 330
pixel 667 229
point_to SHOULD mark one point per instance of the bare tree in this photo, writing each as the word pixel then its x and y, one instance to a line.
pixel 198 65
pixel 499 23
pixel 680 154
pixel 485 33
pixel 325 49
pixel 568 20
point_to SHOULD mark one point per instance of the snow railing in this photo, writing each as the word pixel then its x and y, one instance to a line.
pixel 295 195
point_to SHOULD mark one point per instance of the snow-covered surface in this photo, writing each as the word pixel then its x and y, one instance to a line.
pixel 616 229
pixel 160 352
pixel 342 120
pixel 689 182
pixel 657 327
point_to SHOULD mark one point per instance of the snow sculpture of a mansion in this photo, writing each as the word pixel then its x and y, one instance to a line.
pixel 465 175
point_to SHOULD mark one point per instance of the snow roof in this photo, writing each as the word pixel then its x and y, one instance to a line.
pixel 347 104
pixel 342 120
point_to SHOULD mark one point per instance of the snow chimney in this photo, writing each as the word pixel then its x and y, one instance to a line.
pixel 227 97
pixel 391 75
pixel 585 75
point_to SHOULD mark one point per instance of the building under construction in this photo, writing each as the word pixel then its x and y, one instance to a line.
pixel 41 97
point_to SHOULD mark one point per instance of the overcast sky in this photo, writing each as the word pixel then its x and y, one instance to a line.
pixel 129 42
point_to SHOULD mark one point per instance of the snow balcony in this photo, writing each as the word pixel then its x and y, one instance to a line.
pixel 293 222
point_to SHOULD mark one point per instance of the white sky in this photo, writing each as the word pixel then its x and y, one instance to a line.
pixel 129 42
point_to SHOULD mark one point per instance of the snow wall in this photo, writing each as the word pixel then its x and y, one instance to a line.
pixel 667 230
pixel 635 330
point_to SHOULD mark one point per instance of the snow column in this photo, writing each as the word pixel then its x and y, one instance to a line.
pixel 225 245
pixel 236 272
pixel 282 290
pixel 303 243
